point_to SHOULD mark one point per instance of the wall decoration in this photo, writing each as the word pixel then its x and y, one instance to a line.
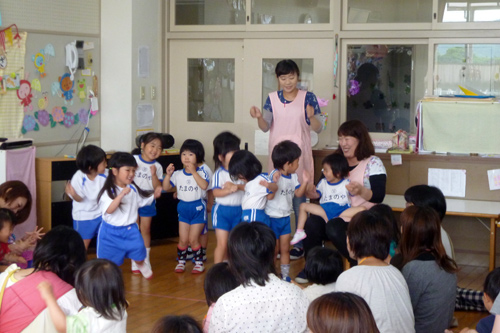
pixel 43 117
pixel 39 61
pixel 49 51
pixel 35 85
pixel 66 85
pixel 81 86
pixel 24 94
pixel 55 88
pixel 29 124
pixel 12 81
pixel 3 61
pixel 83 116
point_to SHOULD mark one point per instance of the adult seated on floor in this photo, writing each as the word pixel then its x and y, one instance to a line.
pixel 368 179
pixel 16 196
pixel 56 259
pixel 263 302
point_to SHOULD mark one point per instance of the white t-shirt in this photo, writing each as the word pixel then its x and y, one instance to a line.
pixel 334 192
pixel 87 189
pixel 126 213
pixel 278 306
pixel 220 177
pixel 209 173
pixel 143 173
pixel 281 204
pixel 255 194
pixel 386 292
pixel 187 188
pixel 316 290
pixel 89 320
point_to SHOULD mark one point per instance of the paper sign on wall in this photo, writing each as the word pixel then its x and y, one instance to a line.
pixel 450 181
pixel 494 179
pixel 261 143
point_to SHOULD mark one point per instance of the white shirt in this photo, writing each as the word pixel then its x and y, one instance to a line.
pixel 143 173
pixel 220 177
pixel 89 320
pixel 187 188
pixel 316 290
pixel 209 174
pixel 334 192
pixel 88 208
pixel 278 306
pixel 255 194
pixel 281 204
pixel 386 292
pixel 126 213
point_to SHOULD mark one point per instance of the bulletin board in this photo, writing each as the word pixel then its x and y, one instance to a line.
pixel 61 113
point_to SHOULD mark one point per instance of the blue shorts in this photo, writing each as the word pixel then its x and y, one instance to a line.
pixel 192 212
pixel 87 228
pixel 148 211
pixel 225 217
pixel 117 243
pixel 280 226
pixel 255 215
pixel 333 210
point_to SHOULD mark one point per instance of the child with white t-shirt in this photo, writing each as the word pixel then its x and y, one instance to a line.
pixel 83 189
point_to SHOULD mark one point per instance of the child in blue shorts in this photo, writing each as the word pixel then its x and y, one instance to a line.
pixel 334 197
pixel 226 213
pixel 285 158
pixel 119 201
pixel 191 183
pixel 258 187
pixel 83 189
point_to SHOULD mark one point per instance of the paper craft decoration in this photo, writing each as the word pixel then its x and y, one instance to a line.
pixel 66 86
pixel 29 124
pixel 49 51
pixel 43 117
pixel 43 102
pixel 55 88
pixel 81 87
pixel 24 94
pixel 83 116
pixel 3 61
pixel 12 81
pixel 6 35
pixel 39 61
pixel 35 85
pixel 494 179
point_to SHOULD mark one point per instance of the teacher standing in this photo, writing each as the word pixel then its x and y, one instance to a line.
pixel 290 114
pixel 367 178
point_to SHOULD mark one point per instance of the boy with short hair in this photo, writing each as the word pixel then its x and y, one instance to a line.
pixel 285 157
pixel 6 226
pixel 491 291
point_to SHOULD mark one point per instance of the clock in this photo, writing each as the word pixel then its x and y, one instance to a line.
pixel 3 61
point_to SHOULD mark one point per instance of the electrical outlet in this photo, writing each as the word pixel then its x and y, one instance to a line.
pixel 90 59
pixel 153 92
pixel 142 93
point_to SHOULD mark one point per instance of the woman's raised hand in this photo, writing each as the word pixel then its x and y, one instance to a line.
pixel 354 188
pixel 256 113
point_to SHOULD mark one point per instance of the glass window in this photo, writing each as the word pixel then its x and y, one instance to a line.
pixel 290 12
pixel 475 67
pixel 381 89
pixel 211 90
pixel 270 82
pixel 389 11
pixel 469 11
pixel 213 12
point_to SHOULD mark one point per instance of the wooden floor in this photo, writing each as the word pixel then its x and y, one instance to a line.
pixel 173 293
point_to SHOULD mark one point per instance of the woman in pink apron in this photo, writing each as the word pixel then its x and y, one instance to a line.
pixel 290 114
pixel 368 179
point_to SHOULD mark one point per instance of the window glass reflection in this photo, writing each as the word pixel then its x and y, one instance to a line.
pixel 469 11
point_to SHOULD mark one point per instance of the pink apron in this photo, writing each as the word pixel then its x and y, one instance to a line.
pixel 289 123
pixel 357 175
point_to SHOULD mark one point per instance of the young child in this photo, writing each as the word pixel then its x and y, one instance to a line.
pixel 209 202
pixel 285 158
pixel 334 197
pixel 219 280
pixel 491 291
pixel 83 189
pixel 191 184
pixel 258 187
pixel 6 226
pixel 385 212
pixel 323 267
pixel 177 324
pixel 226 213
pixel 148 176
pixel 100 288
pixel 119 200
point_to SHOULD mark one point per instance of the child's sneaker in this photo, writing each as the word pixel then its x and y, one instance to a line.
pixel 296 253
pixel 198 268
pixel 286 279
pixel 135 269
pixel 299 235
pixel 301 277
pixel 181 267
pixel 145 270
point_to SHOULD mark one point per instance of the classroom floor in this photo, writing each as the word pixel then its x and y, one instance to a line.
pixel 173 293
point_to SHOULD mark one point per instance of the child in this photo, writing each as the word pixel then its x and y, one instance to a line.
pixel 340 312
pixel 385 212
pixel 209 202
pixel 148 176
pixel 323 267
pixel 191 184
pixel 119 200
pixel 177 324
pixel 226 213
pixel 83 189
pixel 6 226
pixel 100 288
pixel 219 280
pixel 491 291
pixel 285 157
pixel 258 187
pixel 334 196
